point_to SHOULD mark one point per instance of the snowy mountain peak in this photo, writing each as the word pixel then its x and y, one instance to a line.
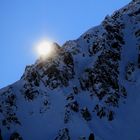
pixel 88 89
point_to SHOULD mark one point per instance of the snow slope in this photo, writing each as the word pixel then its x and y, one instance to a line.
pixel 89 89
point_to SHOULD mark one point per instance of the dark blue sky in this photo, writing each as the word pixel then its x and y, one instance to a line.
pixel 24 22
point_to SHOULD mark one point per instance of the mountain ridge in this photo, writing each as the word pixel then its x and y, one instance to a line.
pixel 84 91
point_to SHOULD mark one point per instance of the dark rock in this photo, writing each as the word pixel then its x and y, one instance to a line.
pixel 15 136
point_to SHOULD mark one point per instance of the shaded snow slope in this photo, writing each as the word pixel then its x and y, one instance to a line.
pixel 88 89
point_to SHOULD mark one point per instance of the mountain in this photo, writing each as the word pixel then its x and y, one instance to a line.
pixel 88 89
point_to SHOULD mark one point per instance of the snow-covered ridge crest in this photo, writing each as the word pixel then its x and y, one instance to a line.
pixel 88 90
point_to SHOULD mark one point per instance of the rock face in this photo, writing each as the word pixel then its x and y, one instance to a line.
pixel 89 89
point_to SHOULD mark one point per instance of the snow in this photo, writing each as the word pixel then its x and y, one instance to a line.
pixel 43 122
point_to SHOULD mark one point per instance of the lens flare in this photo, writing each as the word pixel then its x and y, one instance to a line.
pixel 44 48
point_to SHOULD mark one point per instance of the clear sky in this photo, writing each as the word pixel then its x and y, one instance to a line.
pixel 24 22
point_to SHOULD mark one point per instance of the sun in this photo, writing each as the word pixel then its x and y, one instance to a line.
pixel 44 48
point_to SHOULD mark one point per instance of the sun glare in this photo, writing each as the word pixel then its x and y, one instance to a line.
pixel 44 48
